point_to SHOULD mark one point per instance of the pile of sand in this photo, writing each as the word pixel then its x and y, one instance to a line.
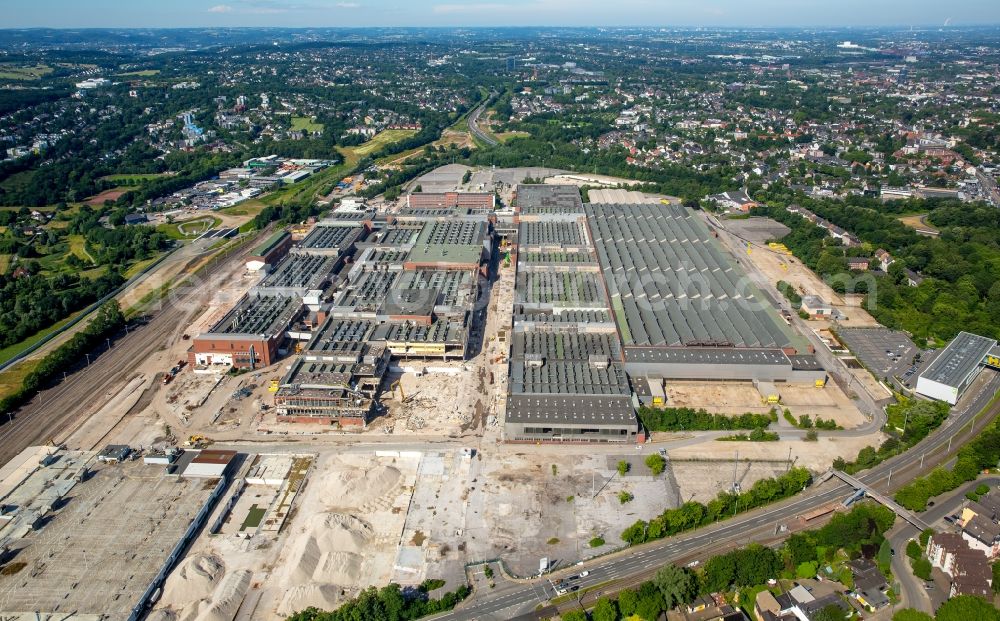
pixel 333 551
pixel 225 601
pixel 300 597
pixel 193 580
pixel 363 487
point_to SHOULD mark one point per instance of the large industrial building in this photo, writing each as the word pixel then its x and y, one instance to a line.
pixel 957 366
pixel 356 291
pixel 481 202
pixel 248 336
pixel 614 299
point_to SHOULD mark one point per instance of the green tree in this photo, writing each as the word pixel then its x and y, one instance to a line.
pixel 676 585
pixel 604 610
pixel 921 568
pixel 965 608
pixel 656 463
pixel 913 549
pixel 628 601
pixel 831 612
pixel 909 614
pixel 625 497
pixel 996 576
pixel 623 467
pixel 574 615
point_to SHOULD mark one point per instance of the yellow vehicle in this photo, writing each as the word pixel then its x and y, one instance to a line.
pixel 273 387
pixel 198 441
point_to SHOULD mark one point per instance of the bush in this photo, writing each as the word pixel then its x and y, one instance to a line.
pixel 982 489
pixel 690 419
pixel 913 549
pixel 925 536
pixel 726 504
pixel 656 463
pixel 921 568
pixel 624 497
pixel 623 467
pixel 596 542
pixel 811 436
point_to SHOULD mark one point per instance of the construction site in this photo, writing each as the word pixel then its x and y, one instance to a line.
pixel 405 391
pixel 91 534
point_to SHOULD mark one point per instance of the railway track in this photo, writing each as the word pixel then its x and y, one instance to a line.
pixel 57 411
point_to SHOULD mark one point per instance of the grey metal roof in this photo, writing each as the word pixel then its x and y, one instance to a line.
pixel 551 233
pixel 573 410
pixel 258 314
pixel 960 358
pixel 300 271
pixel 334 239
pixel 537 199
pixel 706 355
pixel 570 289
pixel 671 284
pixel 563 346
pixel 559 377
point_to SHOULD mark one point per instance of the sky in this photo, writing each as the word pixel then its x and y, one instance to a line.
pixel 349 13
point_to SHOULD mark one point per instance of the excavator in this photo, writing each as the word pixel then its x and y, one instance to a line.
pixel 198 441
pixel 402 395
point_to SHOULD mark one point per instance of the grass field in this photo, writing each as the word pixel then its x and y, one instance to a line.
pixel 189 229
pixel 250 208
pixel 12 378
pixel 9 352
pixel 312 186
pixel 78 246
pixel 378 141
pixel 506 136
pixel 300 123
pixel 23 72
pixel 254 517
pixel 18 181
pixel 138 266
pixel 916 221
pixel 4 263
pixel 145 73
pixel 132 178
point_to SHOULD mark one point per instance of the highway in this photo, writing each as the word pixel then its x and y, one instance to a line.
pixel 54 413
pixel 474 124
pixel 636 564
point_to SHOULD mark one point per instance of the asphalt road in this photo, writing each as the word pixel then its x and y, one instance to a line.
pixel 54 413
pixel 635 564
pixel 474 124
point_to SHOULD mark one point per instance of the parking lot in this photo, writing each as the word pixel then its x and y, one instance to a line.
pixel 886 353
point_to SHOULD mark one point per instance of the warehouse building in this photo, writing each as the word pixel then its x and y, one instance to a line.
pixel 336 239
pixel 269 253
pixel 473 201
pixel 611 300
pixel 568 387
pixel 249 336
pixel 957 366
pixel 298 274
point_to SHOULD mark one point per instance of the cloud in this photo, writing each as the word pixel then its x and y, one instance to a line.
pixel 221 8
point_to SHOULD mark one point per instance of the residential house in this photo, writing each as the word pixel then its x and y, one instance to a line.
pixel 858 264
pixel 738 201
pixel 884 259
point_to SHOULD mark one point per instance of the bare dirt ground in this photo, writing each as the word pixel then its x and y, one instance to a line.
pixel 739 397
pixel 703 470
pixel 525 506
pixel 918 222
pixel 348 523
pixel 777 266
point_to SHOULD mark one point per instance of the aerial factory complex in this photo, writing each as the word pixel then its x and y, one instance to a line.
pixel 499 324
